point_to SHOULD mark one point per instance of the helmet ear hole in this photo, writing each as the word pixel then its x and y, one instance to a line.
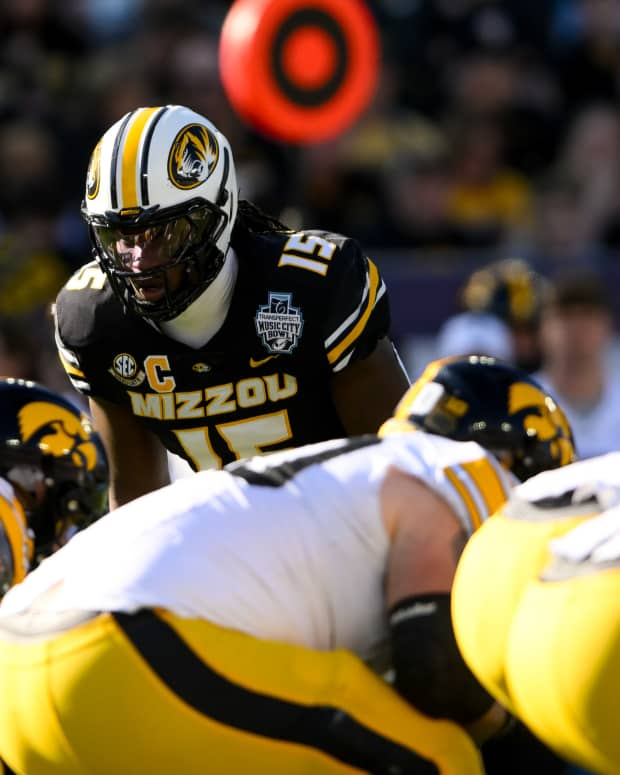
pixel 478 398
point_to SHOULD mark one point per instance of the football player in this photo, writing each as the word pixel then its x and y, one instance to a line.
pixel 463 411
pixel 205 327
pixel 240 620
pixel 543 637
pixel 513 291
pixel 53 475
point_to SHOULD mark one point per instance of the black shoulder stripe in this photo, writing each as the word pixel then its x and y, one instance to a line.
pixel 278 474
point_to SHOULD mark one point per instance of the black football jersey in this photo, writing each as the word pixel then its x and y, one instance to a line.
pixel 305 305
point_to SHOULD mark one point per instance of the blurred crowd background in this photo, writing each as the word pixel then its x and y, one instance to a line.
pixel 484 178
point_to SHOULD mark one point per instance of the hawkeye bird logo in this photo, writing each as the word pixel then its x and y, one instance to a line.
pixel 57 432
pixel 193 156
pixel 542 418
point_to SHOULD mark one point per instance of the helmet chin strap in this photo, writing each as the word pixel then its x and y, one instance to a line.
pixel 199 323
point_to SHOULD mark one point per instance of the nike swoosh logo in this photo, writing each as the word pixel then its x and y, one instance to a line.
pixel 254 364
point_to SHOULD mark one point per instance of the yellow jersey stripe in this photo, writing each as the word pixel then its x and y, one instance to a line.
pixel 373 279
pixel 460 486
pixel 69 368
pixel 129 163
pixel 488 483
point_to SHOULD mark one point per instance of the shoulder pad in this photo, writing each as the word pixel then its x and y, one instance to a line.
pixel 86 305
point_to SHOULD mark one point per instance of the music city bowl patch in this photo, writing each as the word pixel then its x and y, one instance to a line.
pixel 279 324
pixel 125 370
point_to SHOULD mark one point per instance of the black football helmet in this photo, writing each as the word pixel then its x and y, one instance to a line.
pixel 54 459
pixel 478 398
pixel 510 289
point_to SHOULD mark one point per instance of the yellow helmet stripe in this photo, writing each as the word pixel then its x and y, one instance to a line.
pixel 373 279
pixel 129 161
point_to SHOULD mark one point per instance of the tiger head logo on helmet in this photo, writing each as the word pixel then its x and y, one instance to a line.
pixel 193 156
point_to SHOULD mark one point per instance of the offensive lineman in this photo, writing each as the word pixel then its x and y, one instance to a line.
pixel 236 620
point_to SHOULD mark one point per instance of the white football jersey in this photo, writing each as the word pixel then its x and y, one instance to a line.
pixel 596 479
pixel 589 487
pixel 289 547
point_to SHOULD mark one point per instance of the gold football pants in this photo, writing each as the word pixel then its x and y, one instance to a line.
pixel 118 694
pixel 549 647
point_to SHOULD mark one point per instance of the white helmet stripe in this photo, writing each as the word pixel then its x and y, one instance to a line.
pixel 144 156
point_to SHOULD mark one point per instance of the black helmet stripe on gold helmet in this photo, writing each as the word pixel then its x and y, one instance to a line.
pixel 50 453
pixel 477 398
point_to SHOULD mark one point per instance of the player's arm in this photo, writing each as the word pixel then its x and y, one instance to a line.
pixel 137 459
pixel 368 377
pixel 427 540
pixel 366 392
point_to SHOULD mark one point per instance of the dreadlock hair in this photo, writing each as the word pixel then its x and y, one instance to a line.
pixel 251 218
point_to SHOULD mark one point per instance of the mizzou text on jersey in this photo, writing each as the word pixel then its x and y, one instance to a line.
pixel 310 298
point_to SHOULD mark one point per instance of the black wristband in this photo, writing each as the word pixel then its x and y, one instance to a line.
pixel 429 670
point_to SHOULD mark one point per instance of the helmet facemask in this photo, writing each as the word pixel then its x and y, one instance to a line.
pixel 174 237
pixel 58 497
pixel 54 460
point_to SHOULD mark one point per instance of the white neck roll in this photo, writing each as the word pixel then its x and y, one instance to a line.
pixel 201 321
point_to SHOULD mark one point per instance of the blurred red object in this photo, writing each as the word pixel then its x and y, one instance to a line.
pixel 299 72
